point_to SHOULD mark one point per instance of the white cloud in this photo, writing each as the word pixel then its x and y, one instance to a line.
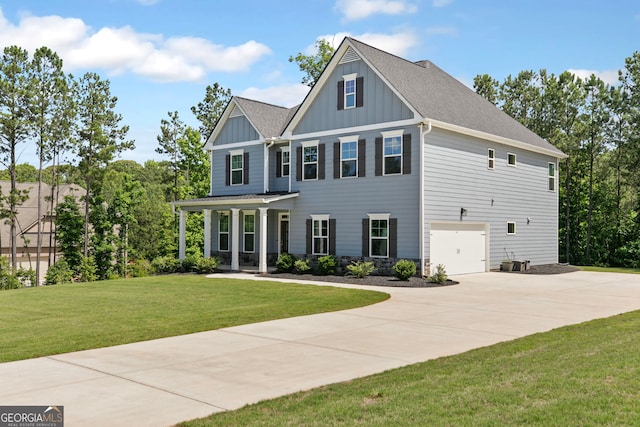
pixel 398 43
pixel 441 3
pixel 123 50
pixel 607 76
pixel 285 95
pixel 354 10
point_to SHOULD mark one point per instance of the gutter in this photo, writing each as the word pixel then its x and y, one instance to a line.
pixel 423 133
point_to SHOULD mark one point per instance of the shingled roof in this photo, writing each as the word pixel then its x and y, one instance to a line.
pixel 437 95
pixel 268 119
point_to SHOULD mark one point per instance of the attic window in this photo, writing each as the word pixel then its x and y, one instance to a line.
pixel 350 91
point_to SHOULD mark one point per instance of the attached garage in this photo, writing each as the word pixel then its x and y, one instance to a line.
pixel 460 247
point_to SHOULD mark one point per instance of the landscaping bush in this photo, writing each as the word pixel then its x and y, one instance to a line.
pixel 327 264
pixel 140 268
pixel 284 263
pixel 208 265
pixel 87 270
pixel 58 273
pixel 26 277
pixel 404 269
pixel 440 275
pixel 360 269
pixel 165 265
pixel 190 263
pixel 301 266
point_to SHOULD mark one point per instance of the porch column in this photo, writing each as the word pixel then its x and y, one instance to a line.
pixel 235 239
pixel 207 232
pixel 263 240
pixel 182 244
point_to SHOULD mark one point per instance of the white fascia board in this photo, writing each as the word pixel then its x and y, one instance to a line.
pixel 220 202
pixel 236 145
pixel 223 120
pixel 495 138
pixel 354 130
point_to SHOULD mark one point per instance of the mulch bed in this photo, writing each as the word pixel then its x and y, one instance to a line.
pixel 413 282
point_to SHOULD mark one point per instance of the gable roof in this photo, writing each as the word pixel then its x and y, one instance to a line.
pixel 433 95
pixel 267 119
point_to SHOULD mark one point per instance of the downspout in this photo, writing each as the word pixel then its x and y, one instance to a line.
pixel 268 144
pixel 290 164
pixel 423 133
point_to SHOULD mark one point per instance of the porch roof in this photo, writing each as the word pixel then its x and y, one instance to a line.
pixel 239 199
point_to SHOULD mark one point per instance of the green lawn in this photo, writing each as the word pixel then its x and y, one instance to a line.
pixel 59 319
pixel 611 269
pixel 586 375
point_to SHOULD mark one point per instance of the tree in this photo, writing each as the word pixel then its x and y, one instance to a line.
pixel 487 87
pixel 208 111
pixel 15 125
pixel 52 115
pixel 313 65
pixel 70 231
pixel 170 132
pixel 99 135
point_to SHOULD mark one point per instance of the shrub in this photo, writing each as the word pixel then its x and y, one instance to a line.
pixel 207 265
pixel 440 275
pixel 58 273
pixel 26 277
pixel 87 270
pixel 301 266
pixel 140 268
pixel 404 269
pixel 327 264
pixel 285 263
pixel 165 264
pixel 360 269
pixel 190 263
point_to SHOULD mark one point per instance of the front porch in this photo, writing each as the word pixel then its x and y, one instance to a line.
pixel 241 229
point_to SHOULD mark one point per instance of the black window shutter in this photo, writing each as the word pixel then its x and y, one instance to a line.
pixel 298 163
pixel 359 91
pixel 309 236
pixel 406 154
pixel 332 237
pixel 227 170
pixel 365 237
pixel 362 157
pixel 379 156
pixel 341 95
pixel 336 160
pixel 321 161
pixel 393 237
pixel 245 165
pixel 278 164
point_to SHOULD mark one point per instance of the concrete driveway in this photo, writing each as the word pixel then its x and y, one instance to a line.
pixel 165 381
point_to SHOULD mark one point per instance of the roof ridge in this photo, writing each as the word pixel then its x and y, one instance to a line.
pixel 260 102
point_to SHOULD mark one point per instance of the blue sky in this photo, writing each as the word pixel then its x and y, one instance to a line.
pixel 161 54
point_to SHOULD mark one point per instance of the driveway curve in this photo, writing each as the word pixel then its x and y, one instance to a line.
pixel 165 381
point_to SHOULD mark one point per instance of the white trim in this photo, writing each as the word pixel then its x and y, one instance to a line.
pixel 246 213
pixel 314 218
pixel 344 140
pixel 226 115
pixel 555 175
pixel 392 134
pixel 232 154
pixel 222 201
pixel 288 163
pixel 311 144
pixel 236 152
pixel 515 159
pixel 283 216
pixel 379 217
pixel 320 217
pixel 373 216
pixel 351 76
pixel 353 129
pixel 228 232
pixel 491 159
pixel 236 145
pixel 514 228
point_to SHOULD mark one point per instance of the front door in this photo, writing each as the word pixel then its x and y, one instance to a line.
pixel 283 233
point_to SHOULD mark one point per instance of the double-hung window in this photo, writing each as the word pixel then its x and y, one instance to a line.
pixel 310 161
pixel 223 231
pixel 350 90
pixel 237 167
pixel 249 231
pixel 286 162
pixel 491 158
pixel 379 235
pixel 552 177
pixel 320 234
pixel 392 152
pixel 349 156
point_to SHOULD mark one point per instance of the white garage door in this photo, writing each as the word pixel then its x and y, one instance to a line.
pixel 461 248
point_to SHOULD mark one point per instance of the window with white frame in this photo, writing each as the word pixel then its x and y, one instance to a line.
pixel 349 90
pixel 491 157
pixel 320 234
pixel 379 235
pixel 392 152
pixel 511 227
pixel 310 161
pixel 552 177
pixel 237 167
pixel 223 231
pixel 511 159
pixel 349 156
pixel 286 162
pixel 249 231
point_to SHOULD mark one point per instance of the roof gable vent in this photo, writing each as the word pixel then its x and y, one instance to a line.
pixel 349 56
pixel 237 112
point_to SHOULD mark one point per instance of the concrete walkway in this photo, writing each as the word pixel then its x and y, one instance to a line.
pixel 165 381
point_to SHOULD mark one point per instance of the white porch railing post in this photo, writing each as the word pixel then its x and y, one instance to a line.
pixel 235 239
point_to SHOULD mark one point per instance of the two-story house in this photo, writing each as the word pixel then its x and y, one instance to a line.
pixel 385 159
